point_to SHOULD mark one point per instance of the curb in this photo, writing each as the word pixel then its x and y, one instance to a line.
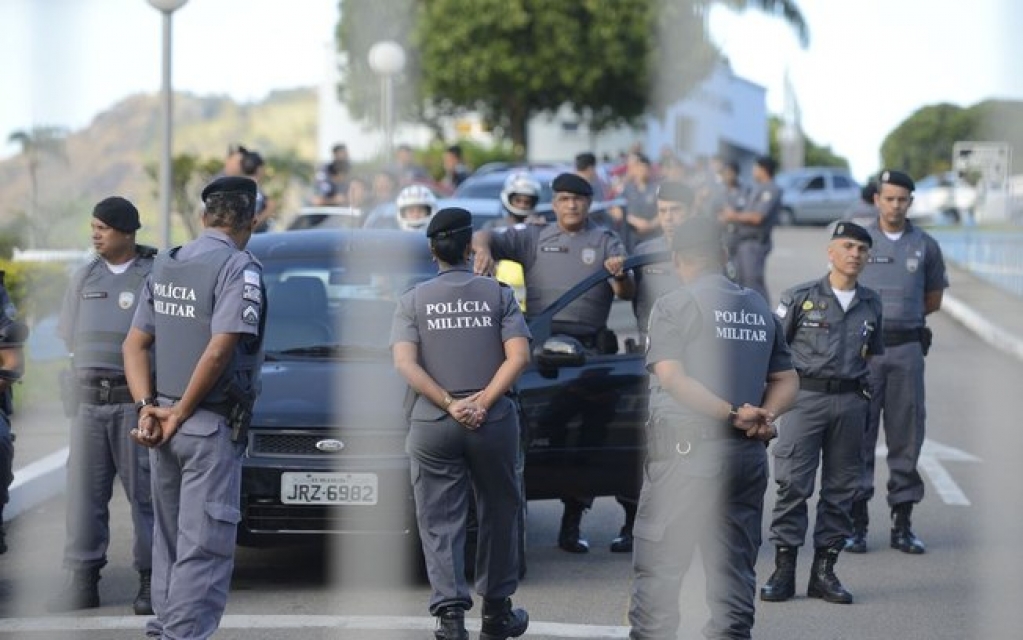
pixel 986 330
pixel 36 483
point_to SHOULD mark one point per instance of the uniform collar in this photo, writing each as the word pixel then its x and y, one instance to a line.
pixel 219 236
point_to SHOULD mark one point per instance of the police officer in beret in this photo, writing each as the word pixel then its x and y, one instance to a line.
pixel 13 334
pixel 675 202
pixel 94 320
pixel 722 374
pixel 833 327
pixel 907 268
pixel 202 316
pixel 461 342
pixel 555 257
pixel 751 242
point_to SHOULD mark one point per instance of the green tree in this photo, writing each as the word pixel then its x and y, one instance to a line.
pixel 815 155
pixel 512 59
pixel 922 143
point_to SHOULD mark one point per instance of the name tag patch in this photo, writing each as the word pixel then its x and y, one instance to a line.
pixel 93 295
pixel 554 249
pixel 880 260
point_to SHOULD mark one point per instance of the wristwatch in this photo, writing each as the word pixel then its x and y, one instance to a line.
pixel 733 413
pixel 145 402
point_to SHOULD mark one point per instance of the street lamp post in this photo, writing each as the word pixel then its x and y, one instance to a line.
pixel 166 7
pixel 387 59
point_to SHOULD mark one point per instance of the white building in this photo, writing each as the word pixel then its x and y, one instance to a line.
pixel 725 115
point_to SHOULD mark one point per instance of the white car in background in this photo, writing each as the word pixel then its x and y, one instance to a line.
pixel 943 196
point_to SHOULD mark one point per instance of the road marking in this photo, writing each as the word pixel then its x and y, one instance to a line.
pixel 931 456
pixel 362 623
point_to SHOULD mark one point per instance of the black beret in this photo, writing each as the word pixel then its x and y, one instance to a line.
pixel 698 235
pixel 118 213
pixel 230 184
pixel 572 183
pixel 898 178
pixel 675 192
pixel 448 221
pixel 853 231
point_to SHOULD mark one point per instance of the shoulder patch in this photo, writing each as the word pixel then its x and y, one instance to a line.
pixel 781 311
pixel 250 315
pixel 251 276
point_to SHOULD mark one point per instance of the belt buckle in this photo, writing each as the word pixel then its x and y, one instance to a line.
pixel 104 391
pixel 683 448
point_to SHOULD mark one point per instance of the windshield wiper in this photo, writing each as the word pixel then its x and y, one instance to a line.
pixel 334 350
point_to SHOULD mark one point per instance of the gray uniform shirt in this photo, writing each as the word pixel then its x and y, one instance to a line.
pixel 458 324
pixel 763 198
pixel 553 260
pixel 731 322
pixel 827 342
pixel 902 272
pixel 653 280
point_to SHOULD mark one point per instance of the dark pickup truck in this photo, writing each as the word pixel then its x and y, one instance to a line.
pixel 326 451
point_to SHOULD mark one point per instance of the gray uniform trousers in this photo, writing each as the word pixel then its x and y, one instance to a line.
pixel 826 428
pixel 100 449
pixel 6 458
pixel 196 493
pixel 750 262
pixel 897 390
pixel 445 458
pixel 714 498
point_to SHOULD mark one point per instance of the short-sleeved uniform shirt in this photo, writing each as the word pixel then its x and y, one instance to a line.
pixel 677 323
pixel 827 341
pixel 653 280
pixel 903 271
pixel 554 260
pixel 238 294
pixel 763 198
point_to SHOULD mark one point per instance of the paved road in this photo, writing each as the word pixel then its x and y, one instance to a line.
pixel 964 587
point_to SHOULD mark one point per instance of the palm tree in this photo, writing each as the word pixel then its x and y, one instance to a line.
pixel 35 144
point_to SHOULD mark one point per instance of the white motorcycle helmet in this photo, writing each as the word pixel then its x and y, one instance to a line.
pixel 521 184
pixel 415 195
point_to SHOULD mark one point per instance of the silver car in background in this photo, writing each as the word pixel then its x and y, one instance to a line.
pixel 816 195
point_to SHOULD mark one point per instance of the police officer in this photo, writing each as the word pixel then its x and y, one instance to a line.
pixel 12 336
pixel 555 257
pixel 202 307
pixel 722 373
pixel 733 195
pixel 907 268
pixel 753 225
pixel 461 343
pixel 674 206
pixel 95 318
pixel 833 326
pixel 519 197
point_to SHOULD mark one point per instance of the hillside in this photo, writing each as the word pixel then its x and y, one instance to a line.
pixel 110 155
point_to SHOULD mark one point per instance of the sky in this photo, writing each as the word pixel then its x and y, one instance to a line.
pixel 869 64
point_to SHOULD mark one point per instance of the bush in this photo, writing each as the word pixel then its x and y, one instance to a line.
pixel 36 288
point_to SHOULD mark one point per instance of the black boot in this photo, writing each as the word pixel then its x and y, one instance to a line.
pixel 143 604
pixel 500 621
pixel 569 537
pixel 623 543
pixel 823 581
pixel 451 624
pixel 857 543
pixel 782 584
pixel 80 592
pixel 903 538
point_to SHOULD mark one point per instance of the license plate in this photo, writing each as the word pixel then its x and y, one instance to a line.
pixel 329 488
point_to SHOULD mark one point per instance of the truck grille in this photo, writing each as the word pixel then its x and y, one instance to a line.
pixel 303 444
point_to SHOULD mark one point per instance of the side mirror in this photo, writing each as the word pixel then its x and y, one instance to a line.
pixel 559 351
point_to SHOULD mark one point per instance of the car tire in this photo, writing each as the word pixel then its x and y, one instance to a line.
pixel 786 217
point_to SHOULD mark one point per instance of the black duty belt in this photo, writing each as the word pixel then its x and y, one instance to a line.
pixel 666 440
pixel 894 338
pixel 105 394
pixel 830 385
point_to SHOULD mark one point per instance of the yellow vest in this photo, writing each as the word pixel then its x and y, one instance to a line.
pixel 511 273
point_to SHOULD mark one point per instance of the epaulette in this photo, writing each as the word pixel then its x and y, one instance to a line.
pixel 145 251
